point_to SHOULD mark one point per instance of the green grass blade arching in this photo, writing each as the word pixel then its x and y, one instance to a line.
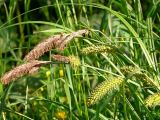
pixel 135 34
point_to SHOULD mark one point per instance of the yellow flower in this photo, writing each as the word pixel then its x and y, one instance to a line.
pixel 48 74
pixel 61 73
pixel 61 115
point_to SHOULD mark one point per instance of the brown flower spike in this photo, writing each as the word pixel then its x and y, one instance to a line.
pixel 58 41
pixel 22 70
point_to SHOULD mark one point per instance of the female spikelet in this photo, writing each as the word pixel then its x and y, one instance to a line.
pixel 102 89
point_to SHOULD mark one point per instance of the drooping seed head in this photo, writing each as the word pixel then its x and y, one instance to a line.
pixel 102 89
pixel 153 100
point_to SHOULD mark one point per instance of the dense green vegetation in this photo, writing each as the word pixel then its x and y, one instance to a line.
pixel 117 77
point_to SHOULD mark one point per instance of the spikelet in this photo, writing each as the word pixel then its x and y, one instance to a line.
pixel 145 78
pixel 103 88
pixel 136 72
pixel 58 41
pixel 97 49
pixel 130 70
pixel 22 70
pixel 153 100
pixel 73 60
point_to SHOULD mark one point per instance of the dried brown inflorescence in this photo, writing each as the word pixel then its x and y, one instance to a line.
pixel 22 70
pixel 58 42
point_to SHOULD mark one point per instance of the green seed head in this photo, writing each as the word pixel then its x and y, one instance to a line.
pixel 153 100
pixel 97 49
pixel 103 88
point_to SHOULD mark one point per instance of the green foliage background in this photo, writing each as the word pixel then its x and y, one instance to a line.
pixel 132 26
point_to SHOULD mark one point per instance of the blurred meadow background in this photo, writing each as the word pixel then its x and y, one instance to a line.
pixel 118 76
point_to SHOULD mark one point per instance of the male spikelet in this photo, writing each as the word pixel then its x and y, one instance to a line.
pixel 22 70
pixel 97 49
pixel 58 41
pixel 153 100
pixel 102 89
pixel 73 60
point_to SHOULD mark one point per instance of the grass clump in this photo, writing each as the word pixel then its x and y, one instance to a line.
pixel 96 40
